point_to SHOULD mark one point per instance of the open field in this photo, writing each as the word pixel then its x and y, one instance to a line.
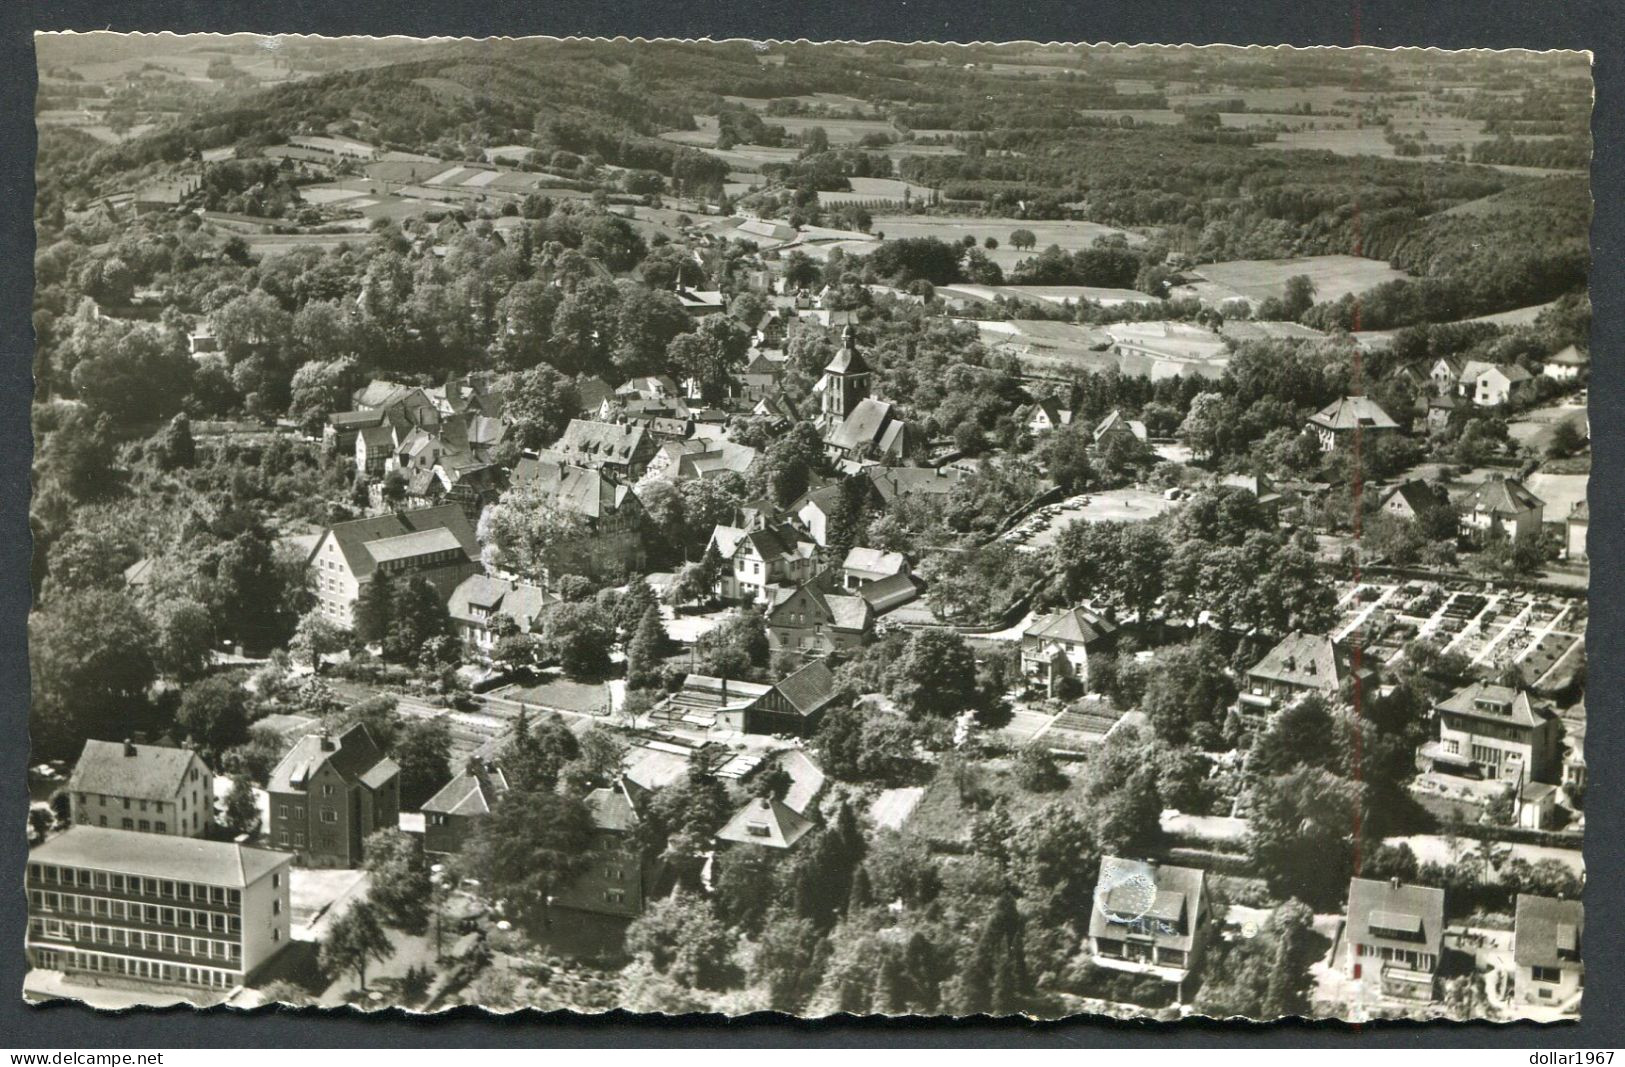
pixel 1533 428
pixel 1258 279
pixel 1071 236
pixel 839 131
pixel 275 244
pixel 1113 505
pixel 865 189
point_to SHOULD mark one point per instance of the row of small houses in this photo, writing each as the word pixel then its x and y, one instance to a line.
pixel 168 907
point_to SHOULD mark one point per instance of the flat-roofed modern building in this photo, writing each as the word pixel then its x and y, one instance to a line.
pixel 155 909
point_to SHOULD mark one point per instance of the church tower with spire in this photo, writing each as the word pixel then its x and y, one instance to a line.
pixel 846 380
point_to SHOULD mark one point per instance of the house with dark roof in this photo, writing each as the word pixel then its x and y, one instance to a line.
pixel 1547 934
pixel 328 793
pixel 816 511
pixel 481 606
pixel 794 705
pixel 858 429
pixel 451 815
pixel 888 594
pixel 1498 733
pixel 1394 936
pixel 437 544
pixel 1115 427
pixel 610 540
pixel 1149 918
pixel 1056 647
pixel 619 875
pixel 755 561
pixel 814 621
pixel 1442 411
pixel 1445 373
pixel 146 788
pixel 1501 508
pixel 1300 663
pixel 1412 499
pixel 893 483
pixel 156 909
pixel 1336 424
pixel 1042 416
pixel 620 449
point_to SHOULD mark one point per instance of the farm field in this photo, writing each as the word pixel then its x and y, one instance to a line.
pixel 839 131
pixel 1071 236
pixel 276 244
pixel 866 189
pixel 1258 279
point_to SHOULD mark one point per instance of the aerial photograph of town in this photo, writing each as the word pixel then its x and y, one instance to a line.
pixel 745 526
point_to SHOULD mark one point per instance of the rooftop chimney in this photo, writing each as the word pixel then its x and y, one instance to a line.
pixel 1393 883
pixel 129 747
pixel 327 743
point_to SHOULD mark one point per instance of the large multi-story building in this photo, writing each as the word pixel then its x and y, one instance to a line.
pixel 437 544
pixel 617 875
pixel 155 909
pixel 329 793
pixel 1500 733
pixel 146 788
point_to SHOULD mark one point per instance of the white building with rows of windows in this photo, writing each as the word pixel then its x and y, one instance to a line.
pixel 155 909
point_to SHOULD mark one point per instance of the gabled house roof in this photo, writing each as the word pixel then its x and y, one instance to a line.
pixel 885 594
pixel 521 602
pixel 472 793
pixel 1418 495
pixel 1570 356
pixel 841 611
pixel 603 442
pixel 192 859
pixel 1548 932
pixel 351 752
pixel 864 427
pixel 612 808
pixel 874 561
pixel 1378 909
pixel 806 779
pixel 1500 495
pixel 1116 423
pixel 808 689
pixel 1169 897
pixel 1475 369
pixel 765 822
pixel 141 772
pixel 581 491
pixel 893 482
pixel 1304 660
pixel 358 539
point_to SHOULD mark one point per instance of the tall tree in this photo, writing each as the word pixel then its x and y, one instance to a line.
pixel 533 845
pixel 353 940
